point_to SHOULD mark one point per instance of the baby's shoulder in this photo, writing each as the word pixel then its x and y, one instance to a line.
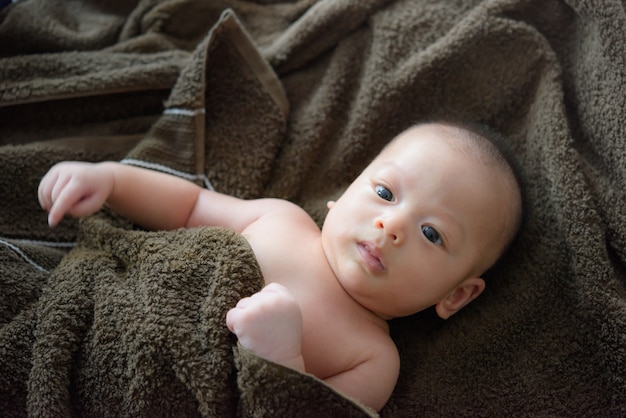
pixel 380 345
pixel 377 352
pixel 359 338
pixel 284 212
pixel 282 206
pixel 382 364
pixel 367 365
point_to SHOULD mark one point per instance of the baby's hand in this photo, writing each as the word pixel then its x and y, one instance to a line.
pixel 74 188
pixel 269 323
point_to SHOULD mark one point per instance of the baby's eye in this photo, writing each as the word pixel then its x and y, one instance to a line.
pixel 384 193
pixel 431 234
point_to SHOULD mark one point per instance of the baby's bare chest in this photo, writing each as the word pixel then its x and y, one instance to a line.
pixel 335 339
pixel 285 248
pixel 336 330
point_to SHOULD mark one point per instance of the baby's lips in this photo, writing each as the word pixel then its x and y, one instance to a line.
pixel 372 256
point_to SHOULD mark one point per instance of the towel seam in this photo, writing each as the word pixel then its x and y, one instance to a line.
pixel 25 257
pixel 52 244
pixel 180 111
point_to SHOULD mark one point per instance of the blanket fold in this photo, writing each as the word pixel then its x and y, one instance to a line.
pixel 234 112
pixel 132 322
pixel 292 99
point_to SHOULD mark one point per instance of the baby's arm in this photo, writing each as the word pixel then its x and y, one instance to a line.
pixel 269 324
pixel 154 200
pixel 372 380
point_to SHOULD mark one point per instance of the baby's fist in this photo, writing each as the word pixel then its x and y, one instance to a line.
pixel 269 323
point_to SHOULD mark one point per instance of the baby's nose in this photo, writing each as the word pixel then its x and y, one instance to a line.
pixel 391 228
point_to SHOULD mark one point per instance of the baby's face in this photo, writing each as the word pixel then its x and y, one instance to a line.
pixel 417 222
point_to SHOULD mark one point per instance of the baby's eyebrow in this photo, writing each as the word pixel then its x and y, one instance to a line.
pixel 391 170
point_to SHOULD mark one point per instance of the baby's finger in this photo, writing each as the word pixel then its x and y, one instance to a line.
pixel 62 204
pixel 231 319
pixel 86 204
pixel 45 188
pixel 243 303
pixel 274 288
pixel 55 214
pixel 60 183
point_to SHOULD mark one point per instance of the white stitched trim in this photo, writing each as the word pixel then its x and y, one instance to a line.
pixel 169 170
pixel 26 258
pixel 207 183
pixel 52 244
pixel 179 111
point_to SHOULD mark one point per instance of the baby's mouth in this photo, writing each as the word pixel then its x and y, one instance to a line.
pixel 371 256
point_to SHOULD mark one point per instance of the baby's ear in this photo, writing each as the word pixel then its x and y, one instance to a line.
pixel 459 297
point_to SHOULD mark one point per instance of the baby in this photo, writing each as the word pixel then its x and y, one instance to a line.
pixel 420 225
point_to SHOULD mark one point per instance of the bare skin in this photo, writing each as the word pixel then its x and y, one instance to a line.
pixel 409 233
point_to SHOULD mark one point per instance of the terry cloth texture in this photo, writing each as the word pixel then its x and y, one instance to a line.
pixel 292 99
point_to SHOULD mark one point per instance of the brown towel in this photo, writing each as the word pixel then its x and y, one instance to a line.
pixel 549 335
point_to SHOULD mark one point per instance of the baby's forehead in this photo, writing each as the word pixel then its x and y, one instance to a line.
pixel 432 133
pixel 415 142
pixel 478 153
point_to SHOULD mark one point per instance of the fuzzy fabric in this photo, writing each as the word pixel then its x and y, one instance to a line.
pixel 292 99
